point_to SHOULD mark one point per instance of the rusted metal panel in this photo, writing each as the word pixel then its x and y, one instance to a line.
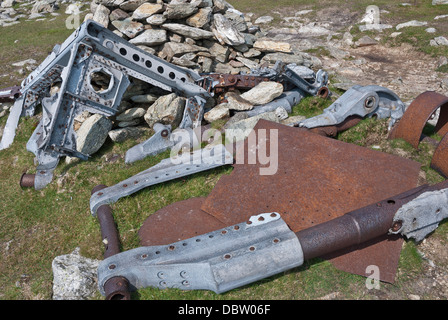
pixel 178 221
pixel 418 113
pixel 318 179
pixel 439 160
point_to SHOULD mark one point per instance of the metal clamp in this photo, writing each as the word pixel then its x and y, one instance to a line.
pixel 367 101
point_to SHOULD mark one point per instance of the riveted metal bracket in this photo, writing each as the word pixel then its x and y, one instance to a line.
pixel 219 261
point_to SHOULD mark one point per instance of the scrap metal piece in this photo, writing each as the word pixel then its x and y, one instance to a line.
pixel 185 220
pixel 116 288
pixel 219 261
pixel 10 94
pixel 163 139
pixel 236 255
pixel 367 101
pixel 193 112
pixel 317 179
pixel 421 216
pixel 439 161
pixel 92 51
pixel 286 100
pixel 212 156
pixel 224 82
pixel 418 113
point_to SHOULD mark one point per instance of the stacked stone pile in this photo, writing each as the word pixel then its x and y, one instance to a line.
pixel 202 35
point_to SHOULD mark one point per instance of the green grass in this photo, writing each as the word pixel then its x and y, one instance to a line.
pixel 37 226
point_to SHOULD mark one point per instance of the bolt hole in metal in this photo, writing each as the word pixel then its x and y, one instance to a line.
pixel 100 81
pixel 369 103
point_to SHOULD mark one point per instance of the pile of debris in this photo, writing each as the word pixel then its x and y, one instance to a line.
pixel 203 35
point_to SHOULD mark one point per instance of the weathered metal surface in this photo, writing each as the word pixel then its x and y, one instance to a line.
pixel 367 101
pixel 318 179
pixel 178 221
pixel 421 216
pixel 225 82
pixel 220 260
pixel 9 94
pixel 375 220
pixel 416 116
pixel 439 160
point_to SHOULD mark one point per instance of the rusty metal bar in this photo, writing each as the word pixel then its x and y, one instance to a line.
pixel 27 180
pixel 358 226
pixel 411 125
pixel 116 288
pixel 439 160
pixel 9 94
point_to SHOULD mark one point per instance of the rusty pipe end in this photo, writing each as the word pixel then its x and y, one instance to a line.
pixel 117 288
pixel 27 180
pixel 98 188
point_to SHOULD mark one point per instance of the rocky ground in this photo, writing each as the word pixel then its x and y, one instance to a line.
pixel 214 36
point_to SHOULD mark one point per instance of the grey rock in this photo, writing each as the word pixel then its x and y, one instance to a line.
pixel 146 10
pixel 440 41
pixel 219 112
pixel 128 27
pixel 366 41
pixel 436 2
pixel 293 120
pixel 24 62
pixel 156 19
pixel 187 60
pixel 263 93
pixel 286 58
pixel 236 102
pixel 8 3
pixel 131 114
pixel 101 15
pixel 272 46
pixel 132 5
pixel 118 14
pixel 219 52
pixel 74 277
pixel 221 6
pixel 264 19
pixel 200 18
pixel 249 63
pixel 413 23
pixel 45 6
pixel 150 37
pixel 130 123
pixel 237 19
pixel 123 134
pixel 172 49
pixel 225 32
pixel 187 31
pixel 180 11
pixel 144 98
pixel 167 109
pixel 92 134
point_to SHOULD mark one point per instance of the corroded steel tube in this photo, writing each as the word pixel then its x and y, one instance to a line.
pixel 116 288
pixel 358 226
pixel 27 180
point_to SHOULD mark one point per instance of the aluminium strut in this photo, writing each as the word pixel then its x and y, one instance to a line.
pixel 211 156
pixel 359 102
pixel 240 254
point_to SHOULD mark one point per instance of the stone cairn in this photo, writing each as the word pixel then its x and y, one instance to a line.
pixel 203 35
